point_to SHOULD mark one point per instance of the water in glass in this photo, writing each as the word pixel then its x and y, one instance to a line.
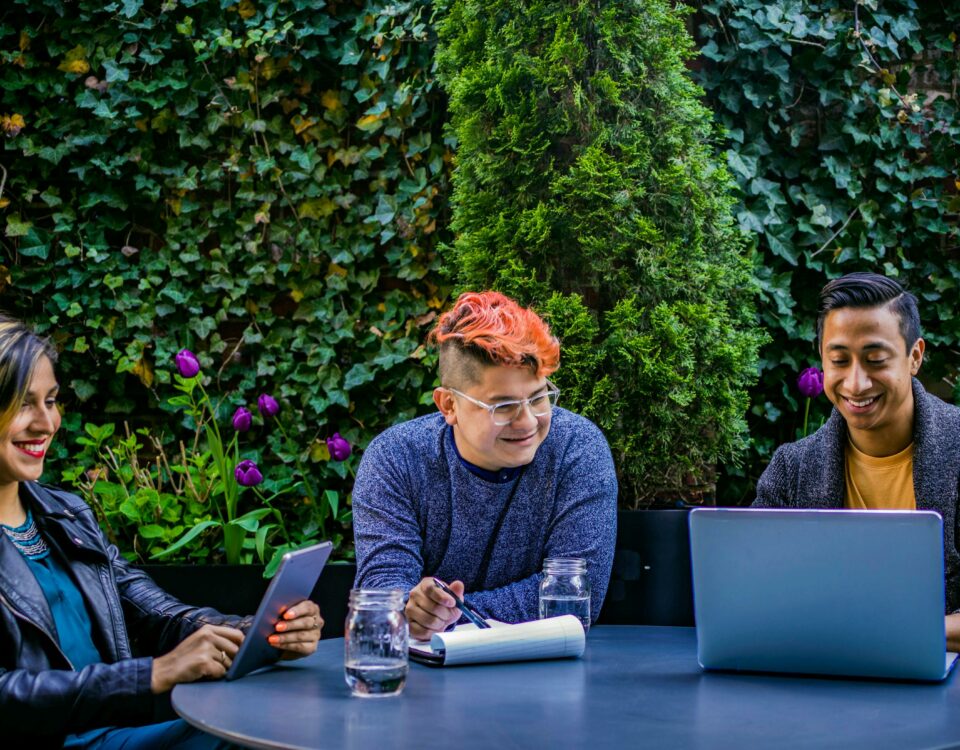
pixel 565 589
pixel 375 643
pixel 578 606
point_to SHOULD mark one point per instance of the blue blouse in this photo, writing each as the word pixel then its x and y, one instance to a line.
pixel 67 605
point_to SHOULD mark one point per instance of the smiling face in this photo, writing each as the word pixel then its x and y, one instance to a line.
pixel 24 440
pixel 478 439
pixel 867 371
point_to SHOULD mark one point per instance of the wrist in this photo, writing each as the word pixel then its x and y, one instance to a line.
pixel 159 680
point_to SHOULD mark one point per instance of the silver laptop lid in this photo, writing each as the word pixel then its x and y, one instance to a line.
pixel 820 592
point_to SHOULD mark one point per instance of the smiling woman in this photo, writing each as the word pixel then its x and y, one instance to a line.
pixel 68 675
pixel 30 418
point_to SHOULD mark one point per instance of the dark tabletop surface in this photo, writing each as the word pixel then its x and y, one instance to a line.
pixel 635 686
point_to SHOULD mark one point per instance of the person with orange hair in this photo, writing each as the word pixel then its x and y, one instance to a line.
pixel 481 493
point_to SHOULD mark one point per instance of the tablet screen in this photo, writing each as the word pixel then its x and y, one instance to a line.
pixel 297 575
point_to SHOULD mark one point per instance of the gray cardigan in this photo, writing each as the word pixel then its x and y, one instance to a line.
pixel 810 473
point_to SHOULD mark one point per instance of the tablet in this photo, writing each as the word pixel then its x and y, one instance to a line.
pixel 293 582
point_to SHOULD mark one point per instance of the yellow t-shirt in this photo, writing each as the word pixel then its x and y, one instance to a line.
pixel 884 483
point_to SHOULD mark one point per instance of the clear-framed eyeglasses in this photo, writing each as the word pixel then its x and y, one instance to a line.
pixel 507 411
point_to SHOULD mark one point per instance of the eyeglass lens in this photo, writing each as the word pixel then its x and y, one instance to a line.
pixel 539 406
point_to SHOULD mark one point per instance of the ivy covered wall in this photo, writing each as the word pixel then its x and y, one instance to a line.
pixel 255 181
pixel 266 182
pixel 844 137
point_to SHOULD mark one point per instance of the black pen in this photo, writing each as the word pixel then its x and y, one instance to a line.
pixel 469 612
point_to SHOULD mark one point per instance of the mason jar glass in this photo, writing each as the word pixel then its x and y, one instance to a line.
pixel 565 589
pixel 375 643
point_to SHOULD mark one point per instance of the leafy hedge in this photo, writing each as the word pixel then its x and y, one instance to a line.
pixel 256 181
pixel 266 182
pixel 844 137
pixel 587 184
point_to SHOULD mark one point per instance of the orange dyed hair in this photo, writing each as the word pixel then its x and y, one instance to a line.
pixel 492 329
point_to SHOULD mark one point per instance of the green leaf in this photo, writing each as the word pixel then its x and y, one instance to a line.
pixel 115 72
pixel 386 209
pixel 351 53
pixel 274 563
pixel 250 521
pixel 745 166
pixel 260 539
pixel 357 376
pixel 333 500
pixel 16 227
pixel 186 538
pixel 821 216
pixel 128 508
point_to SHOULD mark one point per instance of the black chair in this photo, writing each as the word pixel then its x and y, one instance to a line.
pixel 651 581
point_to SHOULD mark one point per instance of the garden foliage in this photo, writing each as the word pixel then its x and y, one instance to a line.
pixel 257 181
pixel 843 134
pixel 587 183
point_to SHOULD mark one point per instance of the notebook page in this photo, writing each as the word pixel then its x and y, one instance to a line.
pixel 552 638
pixel 425 646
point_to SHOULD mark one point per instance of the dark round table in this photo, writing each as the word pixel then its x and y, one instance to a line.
pixel 634 687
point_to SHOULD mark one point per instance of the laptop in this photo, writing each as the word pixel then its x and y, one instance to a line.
pixel 834 592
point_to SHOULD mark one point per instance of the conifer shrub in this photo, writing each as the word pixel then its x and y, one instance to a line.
pixel 586 183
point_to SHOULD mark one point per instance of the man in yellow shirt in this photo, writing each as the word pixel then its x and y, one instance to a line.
pixel 888 443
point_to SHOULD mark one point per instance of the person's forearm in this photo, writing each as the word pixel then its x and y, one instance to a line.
pixel 952 623
pixel 515 602
pixel 53 702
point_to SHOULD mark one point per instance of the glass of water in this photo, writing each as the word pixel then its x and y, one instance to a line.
pixel 565 589
pixel 375 643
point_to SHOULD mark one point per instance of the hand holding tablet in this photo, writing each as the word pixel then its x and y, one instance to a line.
pixel 298 630
pixel 287 623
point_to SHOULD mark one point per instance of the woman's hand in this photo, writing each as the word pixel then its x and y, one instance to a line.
pixel 298 630
pixel 208 652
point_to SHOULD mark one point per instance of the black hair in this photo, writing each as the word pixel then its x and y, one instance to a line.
pixel 863 289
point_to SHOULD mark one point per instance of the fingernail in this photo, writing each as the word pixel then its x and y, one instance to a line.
pixel 281 626
pixel 274 640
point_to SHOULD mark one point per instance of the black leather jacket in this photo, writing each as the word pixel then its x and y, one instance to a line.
pixel 42 698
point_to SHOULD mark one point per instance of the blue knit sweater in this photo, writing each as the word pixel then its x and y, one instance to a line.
pixel 418 510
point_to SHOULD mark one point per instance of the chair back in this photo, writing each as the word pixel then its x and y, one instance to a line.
pixel 651 583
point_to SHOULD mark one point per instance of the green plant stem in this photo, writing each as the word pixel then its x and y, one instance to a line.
pixel 205 415
pixel 806 416
pixel 306 482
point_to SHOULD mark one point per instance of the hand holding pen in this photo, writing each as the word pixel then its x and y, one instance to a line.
pixel 469 612
pixel 431 609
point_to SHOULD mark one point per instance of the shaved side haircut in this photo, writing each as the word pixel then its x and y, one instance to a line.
pixel 486 329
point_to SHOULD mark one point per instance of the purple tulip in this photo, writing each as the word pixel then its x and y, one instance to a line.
pixel 242 419
pixel 247 473
pixel 268 405
pixel 810 382
pixel 339 447
pixel 187 363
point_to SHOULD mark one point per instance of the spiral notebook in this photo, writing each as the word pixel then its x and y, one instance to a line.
pixel 553 638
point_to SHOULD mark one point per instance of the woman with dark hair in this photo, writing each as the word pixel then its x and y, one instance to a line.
pixel 70 604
